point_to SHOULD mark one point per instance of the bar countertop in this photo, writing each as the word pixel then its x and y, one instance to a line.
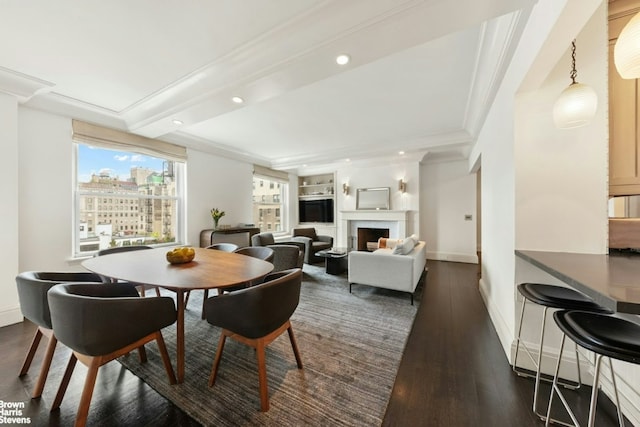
pixel 611 280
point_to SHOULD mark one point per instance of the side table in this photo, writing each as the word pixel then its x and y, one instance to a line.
pixel 335 260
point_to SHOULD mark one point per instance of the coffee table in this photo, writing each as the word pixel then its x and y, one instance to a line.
pixel 335 260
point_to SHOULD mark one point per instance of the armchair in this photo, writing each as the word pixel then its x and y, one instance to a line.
pixel 312 242
pixel 102 322
pixel 32 293
pixel 256 316
pixel 286 254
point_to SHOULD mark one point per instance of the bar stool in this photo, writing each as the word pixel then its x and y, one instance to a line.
pixel 550 296
pixel 607 336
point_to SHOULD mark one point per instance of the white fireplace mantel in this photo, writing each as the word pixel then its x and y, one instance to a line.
pixel 396 221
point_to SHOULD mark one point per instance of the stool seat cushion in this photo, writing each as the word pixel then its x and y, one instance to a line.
pixel 602 334
pixel 559 297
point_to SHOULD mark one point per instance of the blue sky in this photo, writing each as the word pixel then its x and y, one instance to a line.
pixel 119 163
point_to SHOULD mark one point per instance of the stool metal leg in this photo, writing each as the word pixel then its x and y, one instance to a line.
pixel 515 359
pixel 615 390
pixel 556 389
pixel 594 393
pixel 538 363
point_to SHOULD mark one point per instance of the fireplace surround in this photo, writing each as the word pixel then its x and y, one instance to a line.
pixel 396 221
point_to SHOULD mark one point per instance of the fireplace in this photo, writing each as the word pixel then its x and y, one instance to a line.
pixel 399 223
pixel 368 237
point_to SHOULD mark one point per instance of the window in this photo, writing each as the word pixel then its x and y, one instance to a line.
pixel 268 194
pixel 150 186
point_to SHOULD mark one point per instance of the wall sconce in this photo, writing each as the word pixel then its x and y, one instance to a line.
pixel 402 186
pixel 345 189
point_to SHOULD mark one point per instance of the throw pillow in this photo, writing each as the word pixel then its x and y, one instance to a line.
pixel 404 247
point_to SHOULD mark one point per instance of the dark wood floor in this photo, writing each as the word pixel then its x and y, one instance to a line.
pixel 453 372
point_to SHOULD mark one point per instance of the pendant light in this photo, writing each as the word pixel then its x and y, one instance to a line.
pixel 626 53
pixel 577 104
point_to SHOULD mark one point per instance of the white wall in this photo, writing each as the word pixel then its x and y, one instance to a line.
pixel 46 190
pixel 494 150
pixel 562 174
pixel 216 182
pixel 448 193
pixel 9 213
pixel 38 211
pixel 375 175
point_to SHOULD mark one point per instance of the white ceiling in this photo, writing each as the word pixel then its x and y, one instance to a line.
pixel 421 77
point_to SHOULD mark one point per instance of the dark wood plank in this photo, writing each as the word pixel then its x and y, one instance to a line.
pixel 454 371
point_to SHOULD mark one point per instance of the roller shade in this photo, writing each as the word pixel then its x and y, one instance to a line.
pixel 270 173
pixel 99 136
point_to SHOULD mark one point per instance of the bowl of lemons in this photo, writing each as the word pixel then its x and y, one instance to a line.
pixel 181 255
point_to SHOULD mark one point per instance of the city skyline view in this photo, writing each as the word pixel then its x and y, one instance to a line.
pixel 92 160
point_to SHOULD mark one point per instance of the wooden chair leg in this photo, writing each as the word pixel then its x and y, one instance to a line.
pixel 186 299
pixel 204 300
pixel 44 369
pixel 142 354
pixel 35 342
pixel 262 376
pixel 294 345
pixel 87 393
pixel 216 361
pixel 64 383
pixel 165 358
pixel 157 291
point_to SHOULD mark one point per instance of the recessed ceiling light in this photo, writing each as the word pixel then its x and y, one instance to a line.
pixel 401 153
pixel 347 160
pixel 342 59
pixel 237 100
pixel 304 166
pixel 177 122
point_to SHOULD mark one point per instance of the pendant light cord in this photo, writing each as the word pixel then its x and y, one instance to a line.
pixel 573 73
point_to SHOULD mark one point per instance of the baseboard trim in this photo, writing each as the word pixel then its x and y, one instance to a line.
pixel 11 316
pixel 502 329
pixel 451 256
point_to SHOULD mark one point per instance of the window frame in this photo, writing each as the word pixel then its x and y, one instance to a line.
pixel 283 203
pixel 180 199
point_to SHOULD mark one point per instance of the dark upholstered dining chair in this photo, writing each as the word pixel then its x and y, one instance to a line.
pixel 259 252
pixel 118 249
pixel 256 316
pixel 284 256
pixel 102 322
pixel 225 247
pixel 32 293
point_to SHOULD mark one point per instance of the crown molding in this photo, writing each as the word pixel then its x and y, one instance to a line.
pixel 363 152
pixel 497 43
pixel 221 150
pixel 269 65
pixel 22 86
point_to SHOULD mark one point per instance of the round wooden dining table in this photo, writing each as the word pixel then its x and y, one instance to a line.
pixel 210 269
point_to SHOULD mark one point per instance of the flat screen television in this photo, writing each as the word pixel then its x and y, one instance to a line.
pixel 317 210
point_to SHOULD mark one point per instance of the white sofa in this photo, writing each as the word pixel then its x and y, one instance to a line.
pixel 385 269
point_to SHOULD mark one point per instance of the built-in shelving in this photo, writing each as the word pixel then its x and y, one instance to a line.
pixel 316 186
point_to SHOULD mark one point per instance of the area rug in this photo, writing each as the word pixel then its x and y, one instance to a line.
pixel 350 344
